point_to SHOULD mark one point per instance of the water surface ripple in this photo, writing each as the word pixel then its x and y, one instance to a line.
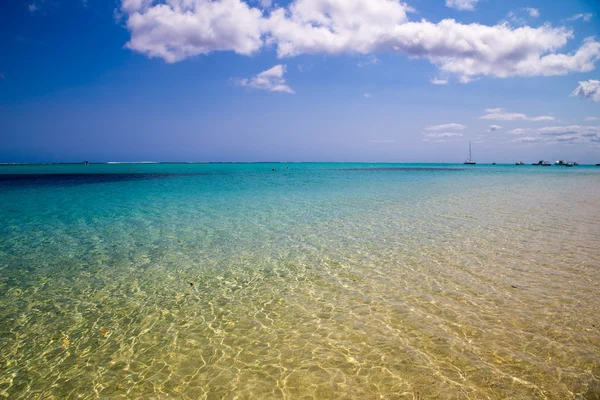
pixel 299 281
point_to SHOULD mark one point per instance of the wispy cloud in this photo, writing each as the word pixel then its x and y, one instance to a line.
pixel 559 134
pixel 33 7
pixel 500 114
pixel 568 130
pixel 528 139
pixel 585 17
pixel 588 90
pixel 566 139
pixel 446 127
pixel 368 61
pixel 367 95
pixel 271 80
pixel 439 81
pixel 518 131
pixel 533 12
pixel 462 4
pixel 442 135
pixel 592 119
pixel 542 118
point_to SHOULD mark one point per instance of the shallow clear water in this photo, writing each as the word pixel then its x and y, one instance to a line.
pixel 311 281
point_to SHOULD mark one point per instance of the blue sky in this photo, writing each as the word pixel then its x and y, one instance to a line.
pixel 308 80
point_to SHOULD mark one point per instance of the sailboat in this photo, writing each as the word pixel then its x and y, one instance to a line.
pixel 470 161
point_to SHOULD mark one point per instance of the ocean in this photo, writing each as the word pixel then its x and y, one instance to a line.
pixel 299 281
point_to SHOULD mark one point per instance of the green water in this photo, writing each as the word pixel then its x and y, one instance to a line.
pixel 234 281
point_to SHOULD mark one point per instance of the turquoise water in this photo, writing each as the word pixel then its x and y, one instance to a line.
pixel 188 281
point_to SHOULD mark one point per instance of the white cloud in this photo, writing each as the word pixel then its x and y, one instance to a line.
pixel 518 131
pixel 443 135
pixel 335 26
pixel 566 139
pixel 585 17
pixel 533 12
pixel 528 139
pixel 588 90
pixel 592 119
pixel 438 81
pixel 445 127
pixel 265 3
pixel 569 130
pixel 462 4
pixel 177 29
pixel 271 80
pixel 368 95
pixel 512 18
pixel 494 128
pixel 499 114
pixel 542 118
pixel 371 60
pixel 560 134
pixel 504 116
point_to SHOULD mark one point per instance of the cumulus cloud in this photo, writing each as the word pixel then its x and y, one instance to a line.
pixel 494 128
pixel 585 17
pixel 588 90
pixel 500 114
pixel 271 80
pixel 177 29
pixel 462 4
pixel 446 127
pixel 442 135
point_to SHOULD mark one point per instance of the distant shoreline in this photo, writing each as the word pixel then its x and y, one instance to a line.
pixel 256 162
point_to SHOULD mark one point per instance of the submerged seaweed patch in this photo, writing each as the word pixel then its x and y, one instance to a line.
pixel 82 179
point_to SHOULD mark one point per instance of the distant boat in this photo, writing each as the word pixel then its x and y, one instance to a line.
pixel 575 163
pixel 85 163
pixel 543 163
pixel 560 162
pixel 470 161
pixel 519 163
pixel 569 164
